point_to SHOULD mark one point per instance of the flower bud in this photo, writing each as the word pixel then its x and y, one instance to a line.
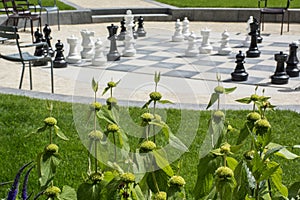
pixel 96 177
pixel 128 177
pixel 253 117
pixel 111 84
pixel 147 146
pixel 225 148
pixel 52 191
pixel 224 173
pixel 219 89
pixel 111 101
pixel 254 97
pixel 177 181
pixel 218 116
pixel 95 106
pixel 160 196
pixel 262 126
pixel 51 149
pixel 96 135
pixel 113 128
pixel 155 96
pixel 50 121
pixel 249 155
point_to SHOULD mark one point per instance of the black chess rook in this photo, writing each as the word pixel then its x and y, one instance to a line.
pixel 280 76
pixel 59 60
pixel 292 63
pixel 239 73
pixel 113 54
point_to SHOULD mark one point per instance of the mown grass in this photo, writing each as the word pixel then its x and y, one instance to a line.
pixel 60 5
pixel 22 115
pixel 227 3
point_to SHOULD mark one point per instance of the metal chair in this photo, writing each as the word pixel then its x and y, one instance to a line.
pixel 15 12
pixel 11 33
pixel 48 7
pixel 266 10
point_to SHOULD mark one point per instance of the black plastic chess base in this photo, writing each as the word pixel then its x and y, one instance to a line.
pixel 113 57
pixel 280 80
pixel 60 64
pixel 253 54
pixel 293 72
pixel 239 76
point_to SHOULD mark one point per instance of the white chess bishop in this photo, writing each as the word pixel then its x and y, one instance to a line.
pixel 73 56
pixel 192 50
pixel 178 37
pixel 225 49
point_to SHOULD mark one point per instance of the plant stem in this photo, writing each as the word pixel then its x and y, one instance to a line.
pixel 154 181
pixel 257 191
pixel 224 157
pixel 153 127
pixel 96 160
pixel 51 129
pixel 111 93
pixel 114 137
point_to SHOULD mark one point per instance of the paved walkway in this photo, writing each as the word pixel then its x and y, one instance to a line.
pixel 71 84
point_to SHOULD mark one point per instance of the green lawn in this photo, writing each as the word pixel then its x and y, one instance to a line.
pixel 22 115
pixel 61 5
pixel 227 3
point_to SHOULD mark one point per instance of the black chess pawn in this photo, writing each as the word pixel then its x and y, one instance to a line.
pixel 48 38
pixel 253 51
pixel 39 50
pixel 239 73
pixel 134 32
pixel 122 34
pixel 59 60
pixel 113 54
pixel 280 76
pixel 292 62
pixel 140 30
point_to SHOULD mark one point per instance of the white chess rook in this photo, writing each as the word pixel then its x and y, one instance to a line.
pixel 87 44
pixel 99 59
pixel 73 56
pixel 192 50
pixel 178 37
pixel 205 48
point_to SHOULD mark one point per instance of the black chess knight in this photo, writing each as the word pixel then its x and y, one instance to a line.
pixel 39 50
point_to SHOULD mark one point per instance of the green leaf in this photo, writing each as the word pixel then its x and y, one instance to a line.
pixel 105 90
pixel 146 105
pixel 276 178
pixel 240 175
pixel 41 129
pixel 165 101
pixel 59 133
pixel 244 133
pixel 296 146
pixel 67 193
pixel 245 100
pixel 229 90
pixel 94 85
pixel 231 162
pixel 214 97
pixel 106 115
pixel 137 193
pixel 162 161
pixel 294 190
pixel 283 152
pixel 272 151
pixel 268 172
pixel 47 165
pixel 89 191
pixel 157 77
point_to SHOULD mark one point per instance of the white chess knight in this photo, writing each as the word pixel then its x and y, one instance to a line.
pixel 99 59
pixel 87 44
pixel 129 49
pixel 205 47
pixel 186 28
pixel 73 56
pixel 192 50
pixel 247 41
pixel 225 49
pixel 178 37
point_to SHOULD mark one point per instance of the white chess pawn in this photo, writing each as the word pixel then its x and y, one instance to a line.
pixel 178 37
pixel 225 49
pixel 186 27
pixel 99 59
pixel 129 49
pixel 87 44
pixel 247 40
pixel 205 48
pixel 73 56
pixel 192 49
